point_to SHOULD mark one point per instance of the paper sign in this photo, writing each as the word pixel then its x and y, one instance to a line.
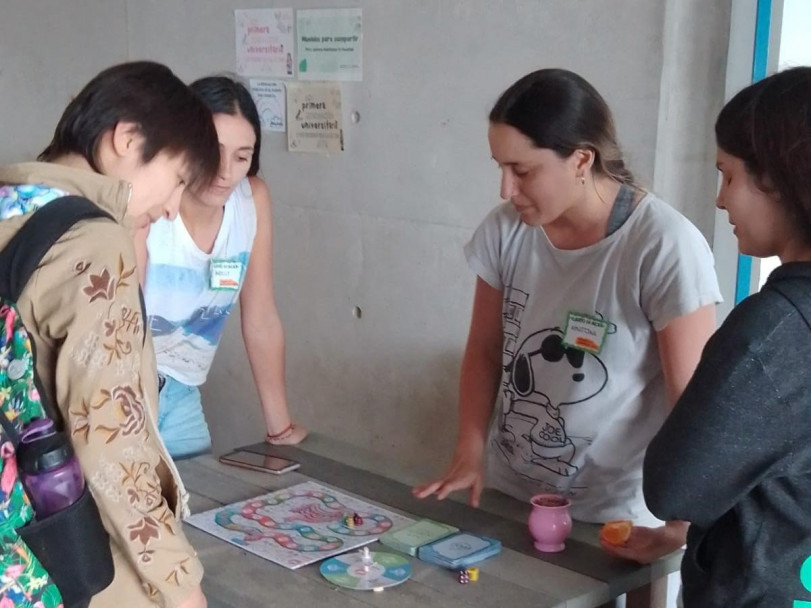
pixel 264 42
pixel 314 122
pixel 268 95
pixel 330 44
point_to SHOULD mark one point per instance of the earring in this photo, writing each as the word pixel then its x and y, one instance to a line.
pixel 581 180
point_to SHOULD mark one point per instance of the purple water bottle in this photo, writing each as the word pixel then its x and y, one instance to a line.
pixel 49 469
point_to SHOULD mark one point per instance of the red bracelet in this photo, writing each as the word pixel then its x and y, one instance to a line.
pixel 281 435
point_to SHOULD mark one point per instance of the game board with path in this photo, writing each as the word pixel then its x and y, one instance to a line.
pixel 298 525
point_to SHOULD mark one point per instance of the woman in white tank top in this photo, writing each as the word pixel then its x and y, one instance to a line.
pixel 193 270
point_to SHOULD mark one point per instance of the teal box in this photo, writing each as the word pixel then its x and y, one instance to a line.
pixel 459 550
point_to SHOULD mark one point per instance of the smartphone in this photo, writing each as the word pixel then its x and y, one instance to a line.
pixel 260 462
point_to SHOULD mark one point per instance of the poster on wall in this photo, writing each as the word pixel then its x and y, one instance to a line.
pixel 314 122
pixel 330 44
pixel 264 42
pixel 268 95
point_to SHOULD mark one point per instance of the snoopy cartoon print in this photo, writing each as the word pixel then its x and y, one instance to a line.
pixel 533 406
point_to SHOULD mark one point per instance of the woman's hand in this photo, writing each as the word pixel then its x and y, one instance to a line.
pixel 646 545
pixel 195 600
pixel 466 471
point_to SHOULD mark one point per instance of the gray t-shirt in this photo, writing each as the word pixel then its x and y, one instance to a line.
pixel 573 422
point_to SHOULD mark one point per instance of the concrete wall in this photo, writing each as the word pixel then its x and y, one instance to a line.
pixel 381 226
pixel 692 94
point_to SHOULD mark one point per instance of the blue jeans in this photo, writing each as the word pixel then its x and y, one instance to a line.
pixel 181 422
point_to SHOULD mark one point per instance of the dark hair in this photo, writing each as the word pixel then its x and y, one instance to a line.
pixel 768 126
pixel 559 110
pixel 170 117
pixel 224 95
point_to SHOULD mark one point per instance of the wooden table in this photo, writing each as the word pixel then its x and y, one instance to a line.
pixel 582 576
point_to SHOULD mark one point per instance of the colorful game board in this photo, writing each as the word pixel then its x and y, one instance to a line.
pixel 298 525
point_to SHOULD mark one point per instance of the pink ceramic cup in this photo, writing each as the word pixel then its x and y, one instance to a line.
pixel 550 522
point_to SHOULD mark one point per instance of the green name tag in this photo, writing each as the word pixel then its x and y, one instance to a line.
pixel 225 274
pixel 585 332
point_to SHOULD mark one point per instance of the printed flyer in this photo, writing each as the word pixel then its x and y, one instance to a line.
pixel 264 42
pixel 314 118
pixel 268 95
pixel 330 44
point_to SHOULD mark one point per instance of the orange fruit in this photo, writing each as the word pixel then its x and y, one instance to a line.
pixel 616 532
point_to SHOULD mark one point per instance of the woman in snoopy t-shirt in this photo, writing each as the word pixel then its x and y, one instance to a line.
pixel 593 301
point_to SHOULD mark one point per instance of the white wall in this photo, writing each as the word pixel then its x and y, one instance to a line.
pixel 381 227
pixel 795 34
pixel 694 60
pixel 737 75
pixel 49 49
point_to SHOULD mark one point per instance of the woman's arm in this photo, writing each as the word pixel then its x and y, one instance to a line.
pixel 262 328
pixel 731 426
pixel 478 387
pixel 680 345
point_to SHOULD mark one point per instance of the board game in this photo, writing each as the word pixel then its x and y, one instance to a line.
pixel 299 525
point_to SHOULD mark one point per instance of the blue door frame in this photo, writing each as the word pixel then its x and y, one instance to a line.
pixel 760 63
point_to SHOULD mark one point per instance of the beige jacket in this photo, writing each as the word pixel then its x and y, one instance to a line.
pixel 83 310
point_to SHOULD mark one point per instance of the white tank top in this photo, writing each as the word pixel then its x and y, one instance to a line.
pixel 186 306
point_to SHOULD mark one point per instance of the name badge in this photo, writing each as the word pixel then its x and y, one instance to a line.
pixel 225 274
pixel 585 332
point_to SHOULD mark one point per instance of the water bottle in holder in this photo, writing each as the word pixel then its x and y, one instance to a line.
pixel 49 469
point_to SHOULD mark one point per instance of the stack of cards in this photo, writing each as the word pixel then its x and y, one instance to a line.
pixel 411 538
pixel 460 550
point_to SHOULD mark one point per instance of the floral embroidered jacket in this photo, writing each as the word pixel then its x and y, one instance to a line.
pixel 82 308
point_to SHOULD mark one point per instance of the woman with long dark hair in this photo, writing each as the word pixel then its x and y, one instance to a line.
pixel 218 250
pixel 734 456
pixel 593 301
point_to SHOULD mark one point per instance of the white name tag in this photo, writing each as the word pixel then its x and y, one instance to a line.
pixel 585 332
pixel 225 274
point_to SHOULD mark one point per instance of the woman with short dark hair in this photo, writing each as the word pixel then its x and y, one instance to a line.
pixel 130 142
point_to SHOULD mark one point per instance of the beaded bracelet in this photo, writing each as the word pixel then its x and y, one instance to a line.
pixel 286 432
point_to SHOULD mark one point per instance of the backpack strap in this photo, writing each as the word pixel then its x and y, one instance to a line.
pixel 25 250
pixel 23 254
pixel 9 428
